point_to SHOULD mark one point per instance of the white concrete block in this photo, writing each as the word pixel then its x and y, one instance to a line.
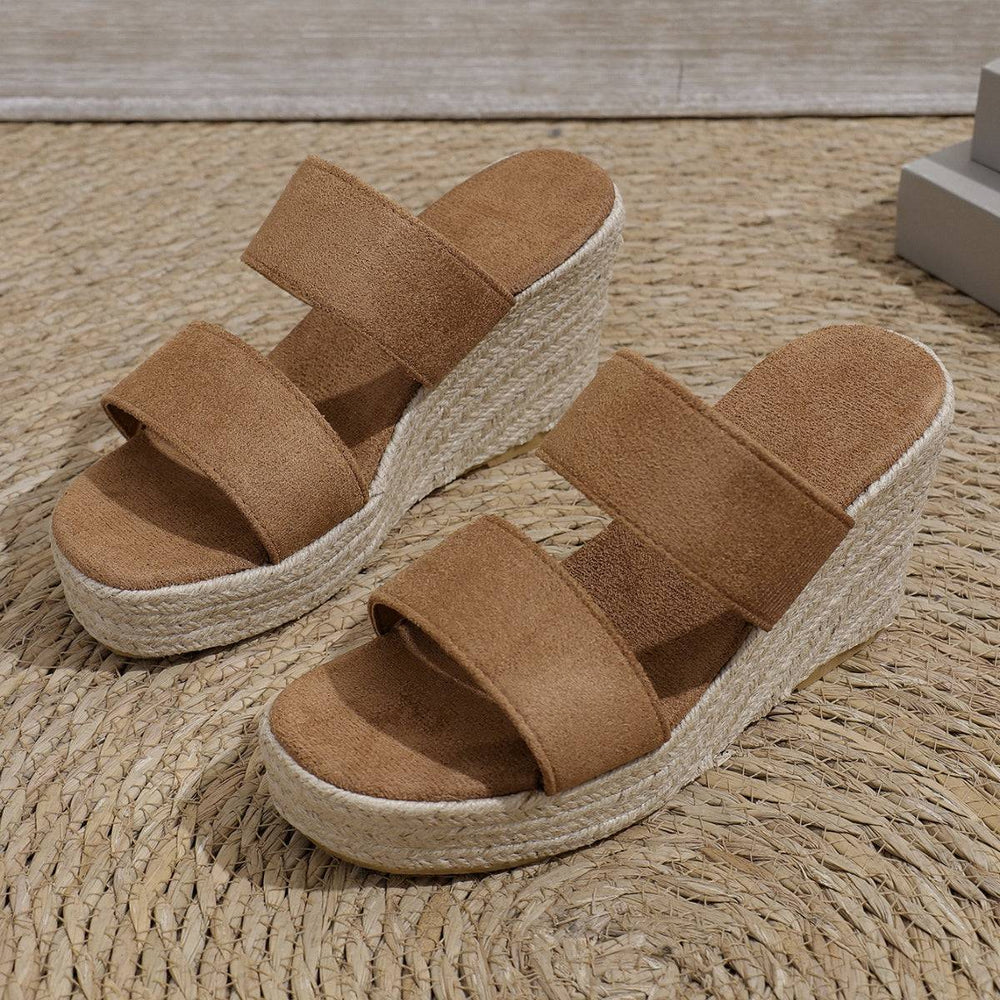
pixel 986 132
pixel 948 221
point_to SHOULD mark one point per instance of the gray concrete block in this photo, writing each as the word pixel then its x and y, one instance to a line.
pixel 986 131
pixel 948 221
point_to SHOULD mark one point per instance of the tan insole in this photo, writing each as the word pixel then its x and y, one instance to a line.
pixel 140 519
pixel 396 717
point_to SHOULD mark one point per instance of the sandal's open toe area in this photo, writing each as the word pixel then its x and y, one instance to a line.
pixel 387 719
pixel 464 693
pixel 139 519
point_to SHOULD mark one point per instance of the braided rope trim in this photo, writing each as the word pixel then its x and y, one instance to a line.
pixel 516 383
pixel 856 593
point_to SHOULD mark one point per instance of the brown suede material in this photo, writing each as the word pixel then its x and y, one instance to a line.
pixel 475 216
pixel 386 718
pixel 248 428
pixel 896 390
pixel 355 385
pixel 133 510
pixel 139 518
pixel 394 718
pixel 518 219
pixel 690 483
pixel 340 246
pixel 681 632
pixel 543 652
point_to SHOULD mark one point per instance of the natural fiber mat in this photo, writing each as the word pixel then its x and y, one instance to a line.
pixel 848 847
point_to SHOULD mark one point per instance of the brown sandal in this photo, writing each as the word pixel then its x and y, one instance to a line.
pixel 249 490
pixel 513 706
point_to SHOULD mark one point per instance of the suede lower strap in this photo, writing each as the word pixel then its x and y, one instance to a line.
pixel 529 636
pixel 241 423
pixel 342 247
pixel 722 509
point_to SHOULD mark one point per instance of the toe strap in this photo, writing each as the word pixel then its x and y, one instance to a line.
pixel 240 422
pixel 531 638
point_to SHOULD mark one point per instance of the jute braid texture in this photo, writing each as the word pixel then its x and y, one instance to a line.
pixel 847 846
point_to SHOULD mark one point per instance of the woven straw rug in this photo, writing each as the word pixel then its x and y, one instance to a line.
pixel 848 847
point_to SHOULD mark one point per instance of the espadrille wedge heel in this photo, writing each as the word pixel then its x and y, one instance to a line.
pixel 513 706
pixel 249 490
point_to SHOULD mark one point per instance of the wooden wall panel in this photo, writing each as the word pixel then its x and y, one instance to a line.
pixel 113 59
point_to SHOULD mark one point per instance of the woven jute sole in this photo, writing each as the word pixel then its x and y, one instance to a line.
pixel 515 384
pixel 856 593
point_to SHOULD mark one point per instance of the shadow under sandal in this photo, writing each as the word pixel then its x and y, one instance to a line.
pixel 513 706
pixel 251 489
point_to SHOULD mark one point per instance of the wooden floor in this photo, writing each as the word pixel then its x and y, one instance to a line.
pixel 114 59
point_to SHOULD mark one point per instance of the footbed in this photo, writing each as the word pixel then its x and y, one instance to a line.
pixel 396 718
pixel 140 519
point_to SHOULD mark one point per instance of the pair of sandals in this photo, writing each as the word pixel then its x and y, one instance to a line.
pixel 510 706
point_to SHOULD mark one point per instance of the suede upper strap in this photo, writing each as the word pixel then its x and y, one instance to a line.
pixel 532 639
pixel 721 508
pixel 240 422
pixel 342 247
